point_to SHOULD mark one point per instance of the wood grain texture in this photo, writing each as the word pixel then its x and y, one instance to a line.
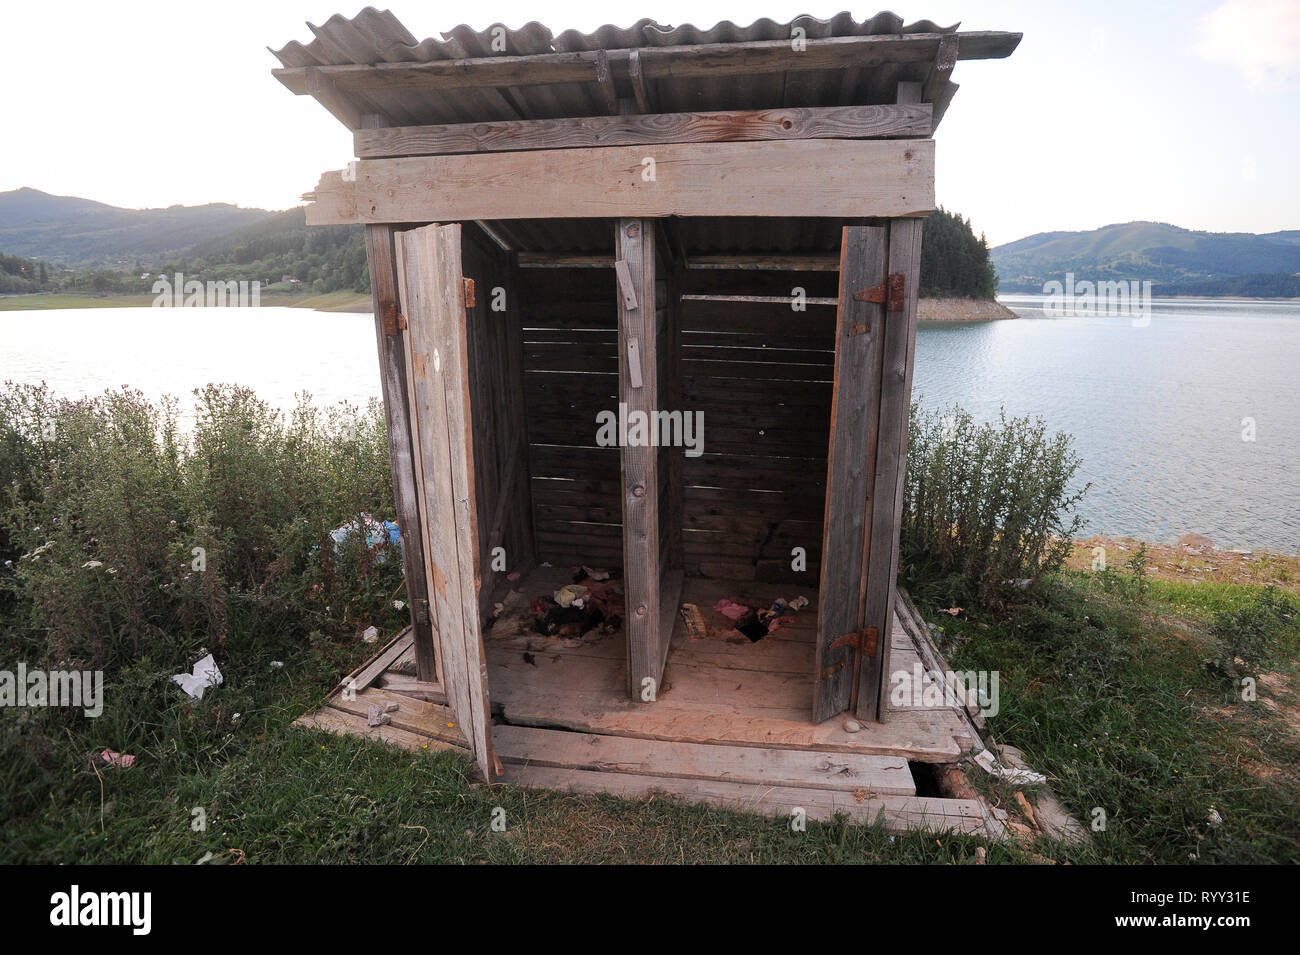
pixel 381 257
pixel 883 775
pixel 434 290
pixel 898 812
pixel 834 122
pixel 713 691
pixel 899 355
pixel 642 574
pixel 811 177
pixel 850 469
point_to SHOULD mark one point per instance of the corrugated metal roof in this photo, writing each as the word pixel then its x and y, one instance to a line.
pixel 332 66
pixel 376 37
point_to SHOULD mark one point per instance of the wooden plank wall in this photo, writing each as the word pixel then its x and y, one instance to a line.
pixel 750 367
pixel 762 374
pixel 570 331
pixel 499 418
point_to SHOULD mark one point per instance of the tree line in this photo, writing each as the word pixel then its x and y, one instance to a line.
pixel 954 263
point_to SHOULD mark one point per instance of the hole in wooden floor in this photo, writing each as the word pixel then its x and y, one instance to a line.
pixel 925 778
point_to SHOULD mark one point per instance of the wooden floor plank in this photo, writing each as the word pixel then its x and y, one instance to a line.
pixel 847 772
pixel 348 724
pixel 741 694
pixel 416 716
pixel 900 812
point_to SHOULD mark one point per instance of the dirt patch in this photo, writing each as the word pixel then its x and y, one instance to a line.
pixel 962 310
pixel 1192 561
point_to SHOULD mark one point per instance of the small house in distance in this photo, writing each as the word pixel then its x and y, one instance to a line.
pixel 645 303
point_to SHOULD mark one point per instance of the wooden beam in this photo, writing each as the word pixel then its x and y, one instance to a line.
pixel 640 86
pixel 638 348
pixel 804 178
pixel 941 72
pixel 785 263
pixel 605 80
pixel 669 62
pixel 833 122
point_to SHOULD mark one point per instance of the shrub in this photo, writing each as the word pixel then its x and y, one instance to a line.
pixel 1245 638
pixel 986 508
pixel 123 536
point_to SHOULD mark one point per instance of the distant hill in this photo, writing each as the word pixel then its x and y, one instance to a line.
pixel 1175 260
pixel 321 258
pixel 68 231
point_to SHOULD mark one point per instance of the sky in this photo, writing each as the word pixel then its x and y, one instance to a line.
pixel 1181 112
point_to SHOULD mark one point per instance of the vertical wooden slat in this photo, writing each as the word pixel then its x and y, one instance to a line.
pixel 851 467
pixel 432 287
pixel 886 517
pixel 397 415
pixel 499 414
pixel 634 245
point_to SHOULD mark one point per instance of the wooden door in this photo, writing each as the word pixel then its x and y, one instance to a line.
pixel 850 472
pixel 432 288
pixel 875 340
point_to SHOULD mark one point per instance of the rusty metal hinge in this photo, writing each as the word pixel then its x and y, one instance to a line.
pixel 394 321
pixel 891 294
pixel 469 293
pixel 863 640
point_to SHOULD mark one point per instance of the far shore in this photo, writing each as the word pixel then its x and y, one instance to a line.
pixel 1195 559
pixel 325 302
pixel 929 310
pixel 962 310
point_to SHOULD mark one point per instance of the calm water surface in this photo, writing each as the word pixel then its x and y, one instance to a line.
pixel 1156 411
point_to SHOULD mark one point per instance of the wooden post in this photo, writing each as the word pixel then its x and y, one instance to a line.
pixel 397 416
pixel 634 255
pixel 891 466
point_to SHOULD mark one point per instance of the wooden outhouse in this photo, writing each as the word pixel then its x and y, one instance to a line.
pixel 570 230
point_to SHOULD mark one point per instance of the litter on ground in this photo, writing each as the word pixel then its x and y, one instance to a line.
pixel 206 673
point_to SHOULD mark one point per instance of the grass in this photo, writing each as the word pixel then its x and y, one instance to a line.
pixel 1104 682
pixel 1112 698
pixel 271 793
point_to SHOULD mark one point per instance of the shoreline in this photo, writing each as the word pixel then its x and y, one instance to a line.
pixel 962 310
pixel 1194 559
pixel 928 310
pixel 323 302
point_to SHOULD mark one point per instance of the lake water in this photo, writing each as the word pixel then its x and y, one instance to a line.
pixel 1157 411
